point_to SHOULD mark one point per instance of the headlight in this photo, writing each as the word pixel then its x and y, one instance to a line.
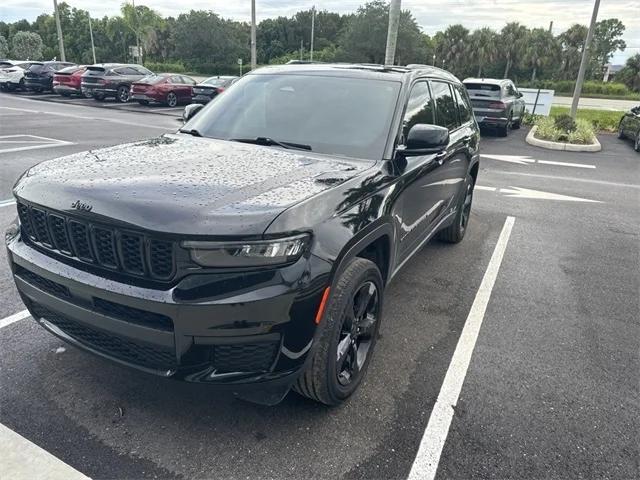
pixel 248 254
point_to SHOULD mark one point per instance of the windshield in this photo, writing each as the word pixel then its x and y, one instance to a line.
pixel 152 79
pixel 483 90
pixel 333 115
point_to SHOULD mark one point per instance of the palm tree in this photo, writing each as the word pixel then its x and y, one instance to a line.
pixel 141 21
pixel 512 38
pixel 451 48
pixel 572 43
pixel 483 47
pixel 541 48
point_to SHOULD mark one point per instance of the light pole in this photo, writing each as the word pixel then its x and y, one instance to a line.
pixel 93 47
pixel 254 60
pixel 313 28
pixel 584 61
pixel 59 29
pixel 392 32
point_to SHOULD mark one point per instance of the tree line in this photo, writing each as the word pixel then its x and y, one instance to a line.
pixel 203 41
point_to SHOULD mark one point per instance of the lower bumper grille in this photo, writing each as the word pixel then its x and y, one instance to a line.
pixel 111 345
pixel 256 357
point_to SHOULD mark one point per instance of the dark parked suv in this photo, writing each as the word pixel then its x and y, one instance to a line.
pixel 111 80
pixel 39 76
pixel 251 250
pixel 630 127
pixel 496 103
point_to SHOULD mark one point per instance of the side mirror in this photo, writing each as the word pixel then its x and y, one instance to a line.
pixel 191 110
pixel 423 139
pixel 520 95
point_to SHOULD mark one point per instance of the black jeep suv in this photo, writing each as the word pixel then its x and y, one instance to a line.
pixel 111 80
pixel 251 250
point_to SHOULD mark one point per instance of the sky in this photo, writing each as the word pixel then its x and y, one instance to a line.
pixel 432 15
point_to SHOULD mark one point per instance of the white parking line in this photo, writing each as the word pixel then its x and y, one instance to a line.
pixel 7 203
pixel 84 117
pixel 43 142
pixel 566 164
pixel 22 460
pixel 426 463
pixel 14 318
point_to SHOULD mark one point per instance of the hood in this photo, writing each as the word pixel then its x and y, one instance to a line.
pixel 180 184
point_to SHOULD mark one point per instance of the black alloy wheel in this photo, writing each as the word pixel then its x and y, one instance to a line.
pixel 358 327
pixel 455 232
pixel 348 333
pixel 172 99
pixel 123 94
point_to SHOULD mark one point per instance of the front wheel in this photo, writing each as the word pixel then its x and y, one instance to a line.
pixel 123 94
pixel 504 130
pixel 621 131
pixel 454 233
pixel 636 145
pixel 350 327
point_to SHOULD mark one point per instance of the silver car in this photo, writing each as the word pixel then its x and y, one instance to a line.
pixel 496 103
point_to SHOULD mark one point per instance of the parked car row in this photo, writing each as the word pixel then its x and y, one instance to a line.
pixel 123 82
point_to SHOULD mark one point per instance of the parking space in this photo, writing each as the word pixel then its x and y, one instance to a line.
pixel 550 391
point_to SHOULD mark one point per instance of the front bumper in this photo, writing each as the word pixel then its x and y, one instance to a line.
pixel 13 79
pixel 253 340
pixel 37 83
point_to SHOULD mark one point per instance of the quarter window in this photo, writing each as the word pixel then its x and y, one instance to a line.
pixel 463 106
pixel 447 110
pixel 419 108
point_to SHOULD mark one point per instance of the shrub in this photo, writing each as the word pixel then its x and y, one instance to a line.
pixel 159 67
pixel 565 123
pixel 583 132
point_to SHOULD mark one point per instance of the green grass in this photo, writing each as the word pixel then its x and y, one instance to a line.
pixel 602 120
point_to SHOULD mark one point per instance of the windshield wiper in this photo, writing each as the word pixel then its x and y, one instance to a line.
pixel 191 131
pixel 266 141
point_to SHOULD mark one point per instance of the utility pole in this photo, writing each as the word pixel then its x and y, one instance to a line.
pixel 138 51
pixel 59 29
pixel 301 48
pixel 584 61
pixel 551 26
pixel 392 32
pixel 313 28
pixel 93 47
pixel 254 60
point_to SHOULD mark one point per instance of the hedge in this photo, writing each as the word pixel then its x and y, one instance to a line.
pixel 589 88
pixel 159 67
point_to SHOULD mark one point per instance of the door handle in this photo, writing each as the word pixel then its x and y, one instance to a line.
pixel 440 157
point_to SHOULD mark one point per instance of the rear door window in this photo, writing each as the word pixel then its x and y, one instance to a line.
pixel 446 105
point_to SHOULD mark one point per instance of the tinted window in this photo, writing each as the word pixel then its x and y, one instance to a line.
pixel 141 70
pixel 463 107
pixel 483 90
pixel 511 90
pixel 188 80
pixel 419 108
pixel 216 81
pixel 334 115
pixel 446 104
pixel 152 79
pixel 175 79
pixel 127 71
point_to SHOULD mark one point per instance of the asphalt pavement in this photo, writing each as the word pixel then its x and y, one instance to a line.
pixel 551 389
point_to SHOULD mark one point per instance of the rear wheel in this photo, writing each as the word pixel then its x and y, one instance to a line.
pixel 122 95
pixel 172 99
pixel 504 130
pixel 516 124
pixel 454 233
pixel 349 332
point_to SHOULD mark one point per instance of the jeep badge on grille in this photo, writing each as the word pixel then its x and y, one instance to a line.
pixel 83 207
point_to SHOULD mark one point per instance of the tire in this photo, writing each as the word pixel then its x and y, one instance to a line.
pixel 143 102
pixel 636 145
pixel 66 94
pixel 172 99
pixel 326 379
pixel 99 97
pixel 122 95
pixel 621 131
pixel 10 87
pixel 516 125
pixel 455 232
pixel 504 130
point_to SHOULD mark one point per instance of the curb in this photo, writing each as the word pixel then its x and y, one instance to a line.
pixel 566 147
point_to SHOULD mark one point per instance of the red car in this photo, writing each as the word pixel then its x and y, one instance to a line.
pixel 167 88
pixel 66 82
